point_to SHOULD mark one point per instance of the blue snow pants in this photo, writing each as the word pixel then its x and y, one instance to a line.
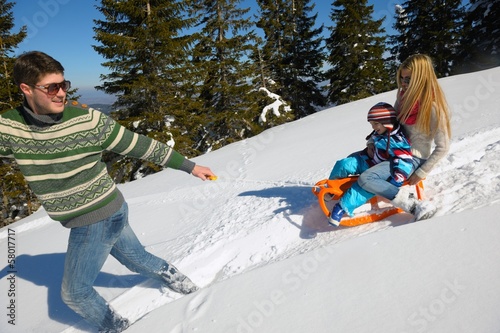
pixel 355 196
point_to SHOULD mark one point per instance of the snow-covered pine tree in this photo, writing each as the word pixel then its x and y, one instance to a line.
pixel 356 48
pixel 221 55
pixel 147 54
pixel 293 52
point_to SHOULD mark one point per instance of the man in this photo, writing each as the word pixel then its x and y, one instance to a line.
pixel 58 149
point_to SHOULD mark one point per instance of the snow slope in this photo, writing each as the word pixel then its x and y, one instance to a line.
pixel 257 242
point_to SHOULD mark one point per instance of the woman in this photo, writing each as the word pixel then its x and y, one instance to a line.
pixel 423 112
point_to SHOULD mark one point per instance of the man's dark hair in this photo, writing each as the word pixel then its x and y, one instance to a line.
pixel 29 67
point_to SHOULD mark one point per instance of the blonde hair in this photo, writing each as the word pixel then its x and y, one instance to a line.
pixel 425 90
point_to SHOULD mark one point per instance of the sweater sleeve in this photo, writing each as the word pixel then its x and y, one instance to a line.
pixel 122 141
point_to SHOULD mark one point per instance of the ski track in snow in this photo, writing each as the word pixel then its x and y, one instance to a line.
pixel 235 238
pixel 476 157
pixel 241 237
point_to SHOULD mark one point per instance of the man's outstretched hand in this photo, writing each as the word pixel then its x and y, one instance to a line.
pixel 203 173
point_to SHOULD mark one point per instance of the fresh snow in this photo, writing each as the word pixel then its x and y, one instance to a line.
pixel 257 243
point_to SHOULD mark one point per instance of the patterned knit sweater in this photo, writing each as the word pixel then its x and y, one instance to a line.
pixel 60 157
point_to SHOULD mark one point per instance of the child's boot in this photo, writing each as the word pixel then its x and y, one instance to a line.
pixel 336 215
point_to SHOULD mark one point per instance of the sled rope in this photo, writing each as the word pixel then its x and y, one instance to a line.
pixel 268 182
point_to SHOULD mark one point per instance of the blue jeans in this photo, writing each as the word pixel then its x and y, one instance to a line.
pixel 88 249
pixel 374 180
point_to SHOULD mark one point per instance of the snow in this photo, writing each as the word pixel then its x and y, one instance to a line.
pixel 275 106
pixel 258 244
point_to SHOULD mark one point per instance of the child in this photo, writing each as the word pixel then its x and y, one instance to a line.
pixel 387 142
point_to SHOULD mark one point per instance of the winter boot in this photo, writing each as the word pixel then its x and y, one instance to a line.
pixel 405 199
pixel 176 281
pixel 336 215
pixel 114 323
pixel 424 210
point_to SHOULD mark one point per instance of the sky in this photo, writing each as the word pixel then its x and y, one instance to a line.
pixel 257 243
pixel 64 30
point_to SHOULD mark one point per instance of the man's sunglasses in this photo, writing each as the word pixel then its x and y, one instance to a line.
pixel 53 88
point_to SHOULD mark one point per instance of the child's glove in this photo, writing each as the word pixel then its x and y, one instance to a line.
pixel 396 180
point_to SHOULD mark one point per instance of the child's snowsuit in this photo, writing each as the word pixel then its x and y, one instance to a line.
pixel 391 146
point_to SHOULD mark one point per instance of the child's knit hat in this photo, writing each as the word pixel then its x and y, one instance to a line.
pixel 383 113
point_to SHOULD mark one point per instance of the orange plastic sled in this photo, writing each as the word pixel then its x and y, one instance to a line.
pixel 337 187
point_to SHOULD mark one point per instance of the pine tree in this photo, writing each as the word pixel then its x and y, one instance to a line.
pixel 221 55
pixel 269 53
pixel 306 59
pixel 17 199
pixel 147 53
pixel 400 40
pixel 145 50
pixel 264 85
pixel 432 27
pixel 480 47
pixel 14 191
pixel 293 52
pixel 10 95
pixel 356 47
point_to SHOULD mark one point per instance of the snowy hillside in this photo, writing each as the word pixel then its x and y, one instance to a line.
pixel 258 244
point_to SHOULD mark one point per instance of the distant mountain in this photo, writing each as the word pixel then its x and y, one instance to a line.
pixel 104 108
pixel 91 96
